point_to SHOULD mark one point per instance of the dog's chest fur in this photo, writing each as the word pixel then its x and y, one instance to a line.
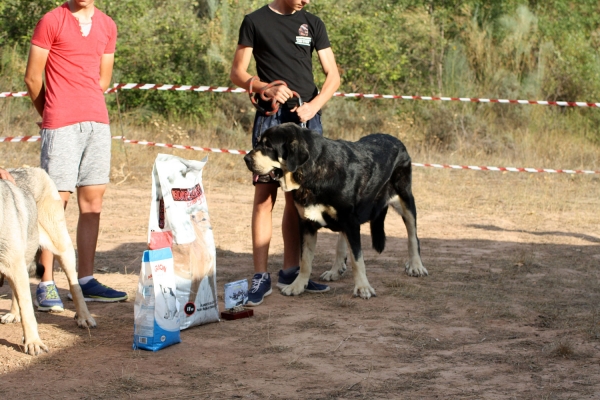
pixel 318 213
pixel 309 208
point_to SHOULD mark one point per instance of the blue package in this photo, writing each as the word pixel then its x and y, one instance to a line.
pixel 156 308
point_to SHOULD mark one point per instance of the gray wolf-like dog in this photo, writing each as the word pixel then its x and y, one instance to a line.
pixel 340 185
pixel 32 216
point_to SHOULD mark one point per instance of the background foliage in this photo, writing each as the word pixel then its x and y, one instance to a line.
pixel 502 49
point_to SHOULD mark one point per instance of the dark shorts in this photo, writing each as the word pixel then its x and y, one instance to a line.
pixel 263 122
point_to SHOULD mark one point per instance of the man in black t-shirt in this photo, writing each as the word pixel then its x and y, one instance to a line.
pixel 282 37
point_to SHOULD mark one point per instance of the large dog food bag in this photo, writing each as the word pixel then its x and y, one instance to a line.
pixel 179 219
pixel 156 309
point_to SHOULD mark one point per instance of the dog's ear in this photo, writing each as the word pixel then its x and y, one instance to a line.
pixel 297 154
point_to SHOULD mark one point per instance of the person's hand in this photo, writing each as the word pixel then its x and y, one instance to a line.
pixel 4 174
pixel 39 123
pixel 305 112
pixel 280 93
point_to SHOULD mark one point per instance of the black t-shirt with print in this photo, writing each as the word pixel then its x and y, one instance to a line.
pixel 282 46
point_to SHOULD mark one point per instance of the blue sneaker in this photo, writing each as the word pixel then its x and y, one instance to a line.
pixel 261 287
pixel 95 291
pixel 287 276
pixel 47 298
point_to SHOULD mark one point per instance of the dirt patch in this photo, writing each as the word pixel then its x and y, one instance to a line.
pixel 511 308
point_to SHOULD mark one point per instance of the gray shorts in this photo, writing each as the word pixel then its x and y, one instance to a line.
pixel 77 155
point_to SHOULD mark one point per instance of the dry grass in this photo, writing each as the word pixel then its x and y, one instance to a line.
pixel 344 302
pixel 277 349
pixel 316 323
pixel 562 348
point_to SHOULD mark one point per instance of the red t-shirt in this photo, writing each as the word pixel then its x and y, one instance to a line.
pixel 73 92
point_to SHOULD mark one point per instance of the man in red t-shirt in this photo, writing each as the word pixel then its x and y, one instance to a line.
pixel 74 45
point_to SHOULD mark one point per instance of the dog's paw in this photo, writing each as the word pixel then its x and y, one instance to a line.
pixel 334 274
pixel 85 322
pixel 364 292
pixel 296 288
pixel 9 318
pixel 35 347
pixel 415 270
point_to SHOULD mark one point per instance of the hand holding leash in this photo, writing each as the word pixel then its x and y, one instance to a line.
pixel 300 104
pixel 278 96
pixel 305 112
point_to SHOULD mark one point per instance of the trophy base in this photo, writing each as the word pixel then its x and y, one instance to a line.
pixel 230 315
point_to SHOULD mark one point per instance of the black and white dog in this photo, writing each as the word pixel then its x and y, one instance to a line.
pixel 340 185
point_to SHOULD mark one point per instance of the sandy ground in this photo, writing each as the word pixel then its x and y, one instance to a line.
pixel 511 308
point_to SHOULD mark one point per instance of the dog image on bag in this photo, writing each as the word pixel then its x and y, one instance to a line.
pixel 32 216
pixel 170 301
pixel 205 259
pixel 340 185
pixel 191 260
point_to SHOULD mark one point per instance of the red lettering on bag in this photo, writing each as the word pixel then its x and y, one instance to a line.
pixel 190 194
pixel 161 214
pixel 160 267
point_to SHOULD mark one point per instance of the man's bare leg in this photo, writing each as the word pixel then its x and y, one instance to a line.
pixel 262 229
pixel 89 199
pixel 262 224
pixel 290 228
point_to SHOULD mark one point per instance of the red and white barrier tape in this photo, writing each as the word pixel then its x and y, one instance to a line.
pixel 178 88
pixel 20 139
pixel 142 142
pixel 509 169
pixel 215 150
pixel 180 146
pixel 225 89
pixel 472 100
pixel 15 94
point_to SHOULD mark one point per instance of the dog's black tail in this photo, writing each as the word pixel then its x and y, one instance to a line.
pixel 377 231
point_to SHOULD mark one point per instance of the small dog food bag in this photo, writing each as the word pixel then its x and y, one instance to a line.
pixel 156 309
pixel 179 219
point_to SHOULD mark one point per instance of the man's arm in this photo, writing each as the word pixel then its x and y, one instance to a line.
pixel 106 68
pixel 239 68
pixel 332 83
pixel 36 63
pixel 240 77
